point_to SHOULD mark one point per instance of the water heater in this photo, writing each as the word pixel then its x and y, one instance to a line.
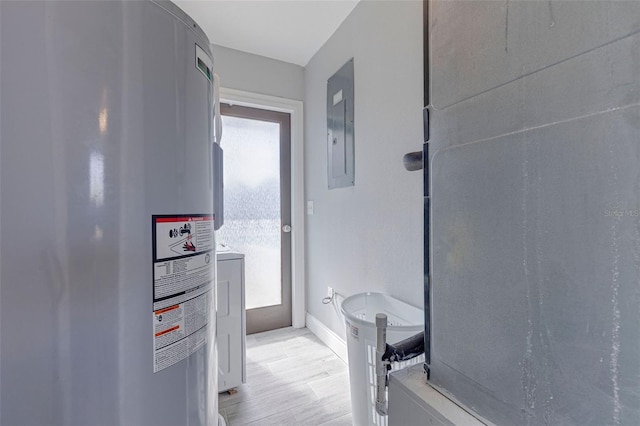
pixel 107 306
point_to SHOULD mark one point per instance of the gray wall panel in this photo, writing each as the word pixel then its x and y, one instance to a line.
pixel 536 209
pixel 599 80
pixel 536 275
pixel 478 46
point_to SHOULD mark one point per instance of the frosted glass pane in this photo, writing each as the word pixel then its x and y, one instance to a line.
pixel 252 205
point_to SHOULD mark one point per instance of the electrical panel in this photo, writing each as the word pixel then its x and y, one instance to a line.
pixel 340 134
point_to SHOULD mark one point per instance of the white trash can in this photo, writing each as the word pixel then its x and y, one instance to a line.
pixel 360 312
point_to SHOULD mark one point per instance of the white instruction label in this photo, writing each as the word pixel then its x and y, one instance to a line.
pixel 183 274
pixel 182 235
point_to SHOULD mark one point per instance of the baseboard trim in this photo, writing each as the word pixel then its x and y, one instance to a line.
pixel 328 337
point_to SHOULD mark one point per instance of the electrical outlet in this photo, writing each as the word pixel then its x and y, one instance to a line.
pixel 329 291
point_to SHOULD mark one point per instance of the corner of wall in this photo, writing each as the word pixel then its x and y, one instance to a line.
pixel 328 337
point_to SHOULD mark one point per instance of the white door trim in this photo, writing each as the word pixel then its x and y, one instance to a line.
pixel 295 108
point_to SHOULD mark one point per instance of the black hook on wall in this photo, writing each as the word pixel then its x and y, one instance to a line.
pixel 413 161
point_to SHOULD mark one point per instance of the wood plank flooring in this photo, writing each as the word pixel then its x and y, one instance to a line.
pixel 292 379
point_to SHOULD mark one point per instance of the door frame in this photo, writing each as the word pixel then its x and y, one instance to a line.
pixel 295 109
pixel 272 316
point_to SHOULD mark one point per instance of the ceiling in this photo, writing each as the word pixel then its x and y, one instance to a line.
pixel 288 30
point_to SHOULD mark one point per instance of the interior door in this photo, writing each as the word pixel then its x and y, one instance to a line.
pixel 257 176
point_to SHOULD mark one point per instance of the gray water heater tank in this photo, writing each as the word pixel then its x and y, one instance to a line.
pixel 107 310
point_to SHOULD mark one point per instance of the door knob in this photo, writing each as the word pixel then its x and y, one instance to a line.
pixel 286 228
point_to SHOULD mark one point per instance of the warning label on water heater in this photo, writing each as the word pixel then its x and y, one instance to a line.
pixel 182 281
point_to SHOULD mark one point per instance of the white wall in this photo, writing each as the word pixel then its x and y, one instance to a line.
pixel 257 74
pixel 368 237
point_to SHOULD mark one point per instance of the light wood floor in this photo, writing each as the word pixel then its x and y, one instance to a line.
pixel 292 379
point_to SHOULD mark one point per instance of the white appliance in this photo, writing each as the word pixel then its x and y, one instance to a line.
pixel 230 319
pixel 107 248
